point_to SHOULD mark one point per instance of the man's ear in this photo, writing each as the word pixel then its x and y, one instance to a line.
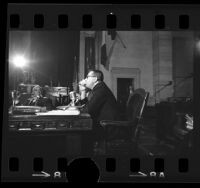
pixel 96 79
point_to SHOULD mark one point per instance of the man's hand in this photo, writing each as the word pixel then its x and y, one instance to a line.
pixel 82 85
pixel 82 89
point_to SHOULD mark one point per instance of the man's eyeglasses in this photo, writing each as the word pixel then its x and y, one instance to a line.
pixel 90 76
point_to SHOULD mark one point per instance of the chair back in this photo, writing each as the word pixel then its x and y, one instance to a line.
pixel 138 127
pixel 123 139
pixel 135 107
pixel 135 104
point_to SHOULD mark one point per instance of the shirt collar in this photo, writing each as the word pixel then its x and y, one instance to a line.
pixel 95 84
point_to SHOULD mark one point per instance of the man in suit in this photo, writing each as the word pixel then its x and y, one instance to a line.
pixel 100 103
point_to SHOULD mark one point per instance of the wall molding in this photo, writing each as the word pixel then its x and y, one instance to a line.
pixel 121 72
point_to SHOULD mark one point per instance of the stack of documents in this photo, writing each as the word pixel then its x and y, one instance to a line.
pixel 60 112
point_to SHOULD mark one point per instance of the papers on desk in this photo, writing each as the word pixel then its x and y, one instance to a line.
pixel 67 112
pixel 62 107
pixel 69 107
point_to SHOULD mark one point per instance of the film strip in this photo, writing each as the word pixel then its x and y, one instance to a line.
pixel 65 153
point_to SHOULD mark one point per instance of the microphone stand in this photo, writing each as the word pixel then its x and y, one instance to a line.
pixel 158 91
pixel 184 78
pixel 72 106
pixel 13 98
pixel 170 83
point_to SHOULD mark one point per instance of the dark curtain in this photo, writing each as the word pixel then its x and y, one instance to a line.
pixel 51 54
pixel 89 54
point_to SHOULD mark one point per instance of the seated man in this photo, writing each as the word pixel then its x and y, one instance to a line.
pixel 100 102
pixel 34 99
pixel 37 98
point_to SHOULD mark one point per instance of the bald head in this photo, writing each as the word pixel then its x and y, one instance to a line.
pixel 98 74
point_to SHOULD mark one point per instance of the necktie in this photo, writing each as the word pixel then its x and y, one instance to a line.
pixel 90 95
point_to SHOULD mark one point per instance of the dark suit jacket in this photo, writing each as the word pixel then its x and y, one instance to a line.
pixel 101 104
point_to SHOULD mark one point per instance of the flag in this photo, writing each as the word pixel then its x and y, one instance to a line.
pixel 110 54
pixel 113 34
pixel 75 75
pixel 103 49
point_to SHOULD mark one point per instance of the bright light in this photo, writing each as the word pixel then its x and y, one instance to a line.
pixel 19 61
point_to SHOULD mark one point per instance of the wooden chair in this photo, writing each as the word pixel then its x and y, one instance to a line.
pixel 121 137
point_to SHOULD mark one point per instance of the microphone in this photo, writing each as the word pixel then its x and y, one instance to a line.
pixel 169 83
pixel 164 86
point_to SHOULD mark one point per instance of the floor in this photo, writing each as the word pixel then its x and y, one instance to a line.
pixel 149 144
